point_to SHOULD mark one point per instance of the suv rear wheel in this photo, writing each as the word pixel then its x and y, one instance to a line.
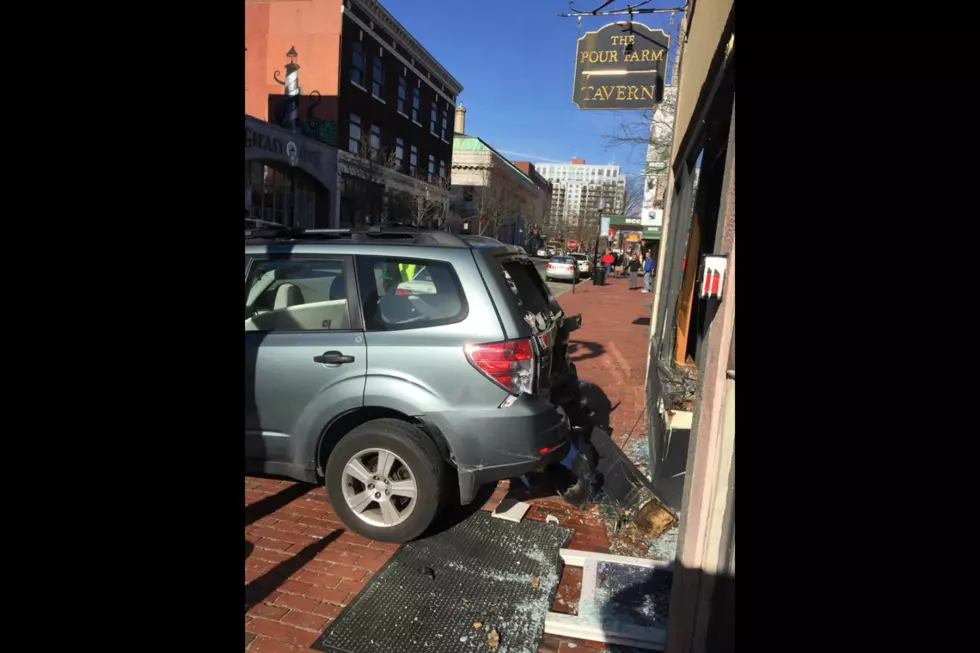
pixel 385 479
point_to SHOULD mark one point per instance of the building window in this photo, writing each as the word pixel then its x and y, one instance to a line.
pixel 357 63
pixel 402 93
pixel 378 78
pixel 445 121
pixel 413 160
pixel 432 167
pixel 467 193
pixel 415 104
pixel 442 170
pixel 399 153
pixel 354 140
pixel 375 140
pixel 433 113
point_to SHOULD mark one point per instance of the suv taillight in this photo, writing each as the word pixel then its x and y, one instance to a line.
pixel 510 363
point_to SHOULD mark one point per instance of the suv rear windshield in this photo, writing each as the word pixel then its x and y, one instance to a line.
pixel 530 292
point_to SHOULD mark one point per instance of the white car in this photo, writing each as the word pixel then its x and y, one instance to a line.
pixel 543 253
pixel 584 264
pixel 562 267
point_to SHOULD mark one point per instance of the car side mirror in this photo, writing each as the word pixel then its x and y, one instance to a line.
pixel 573 323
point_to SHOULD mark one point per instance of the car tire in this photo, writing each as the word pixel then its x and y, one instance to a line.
pixel 414 450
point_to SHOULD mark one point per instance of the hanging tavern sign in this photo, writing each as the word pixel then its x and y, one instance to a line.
pixel 620 66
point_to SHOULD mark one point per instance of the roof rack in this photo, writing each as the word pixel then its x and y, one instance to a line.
pixel 388 232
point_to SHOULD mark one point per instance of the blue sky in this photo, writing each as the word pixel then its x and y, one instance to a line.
pixel 515 60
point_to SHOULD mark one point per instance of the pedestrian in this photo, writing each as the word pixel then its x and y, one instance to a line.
pixel 607 260
pixel 634 268
pixel 647 272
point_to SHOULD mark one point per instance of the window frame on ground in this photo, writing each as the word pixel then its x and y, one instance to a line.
pixel 257 267
pixel 368 280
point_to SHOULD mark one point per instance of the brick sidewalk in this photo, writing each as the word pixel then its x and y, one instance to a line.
pixel 302 566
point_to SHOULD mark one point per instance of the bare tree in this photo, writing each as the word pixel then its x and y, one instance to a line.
pixel 428 202
pixel 492 204
pixel 652 131
pixel 365 182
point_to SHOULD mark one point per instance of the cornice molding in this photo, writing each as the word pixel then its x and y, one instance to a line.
pixel 380 15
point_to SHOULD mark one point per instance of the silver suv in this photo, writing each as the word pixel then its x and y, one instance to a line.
pixel 403 368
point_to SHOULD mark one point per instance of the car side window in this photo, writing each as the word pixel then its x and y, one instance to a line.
pixel 403 293
pixel 297 294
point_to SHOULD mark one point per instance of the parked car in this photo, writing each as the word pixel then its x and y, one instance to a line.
pixel 584 265
pixel 404 369
pixel 543 253
pixel 562 267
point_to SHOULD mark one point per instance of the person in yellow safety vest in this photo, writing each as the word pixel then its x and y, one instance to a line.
pixel 407 270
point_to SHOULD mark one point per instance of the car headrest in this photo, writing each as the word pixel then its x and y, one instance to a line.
pixel 288 295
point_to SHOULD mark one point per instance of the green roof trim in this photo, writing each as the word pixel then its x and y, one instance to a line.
pixel 463 143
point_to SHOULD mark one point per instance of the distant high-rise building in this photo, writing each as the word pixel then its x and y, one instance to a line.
pixel 576 191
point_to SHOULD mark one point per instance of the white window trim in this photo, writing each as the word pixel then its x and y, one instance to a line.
pixel 358 86
pixel 378 99
pixel 403 115
pixel 417 123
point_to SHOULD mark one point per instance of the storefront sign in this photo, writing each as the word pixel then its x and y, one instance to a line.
pixel 625 221
pixel 271 144
pixel 653 217
pixel 281 149
pixel 620 66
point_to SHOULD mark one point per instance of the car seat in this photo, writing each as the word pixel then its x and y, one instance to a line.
pixel 287 295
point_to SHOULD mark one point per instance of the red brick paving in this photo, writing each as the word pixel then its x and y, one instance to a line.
pixel 304 567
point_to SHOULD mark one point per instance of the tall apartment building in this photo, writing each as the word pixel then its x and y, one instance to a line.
pixel 368 87
pixel 576 190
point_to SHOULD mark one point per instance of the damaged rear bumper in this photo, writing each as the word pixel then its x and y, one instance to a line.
pixel 472 478
pixel 491 445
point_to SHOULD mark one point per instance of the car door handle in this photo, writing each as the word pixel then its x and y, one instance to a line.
pixel 333 358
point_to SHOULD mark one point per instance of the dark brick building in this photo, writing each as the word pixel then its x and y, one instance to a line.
pixel 389 102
